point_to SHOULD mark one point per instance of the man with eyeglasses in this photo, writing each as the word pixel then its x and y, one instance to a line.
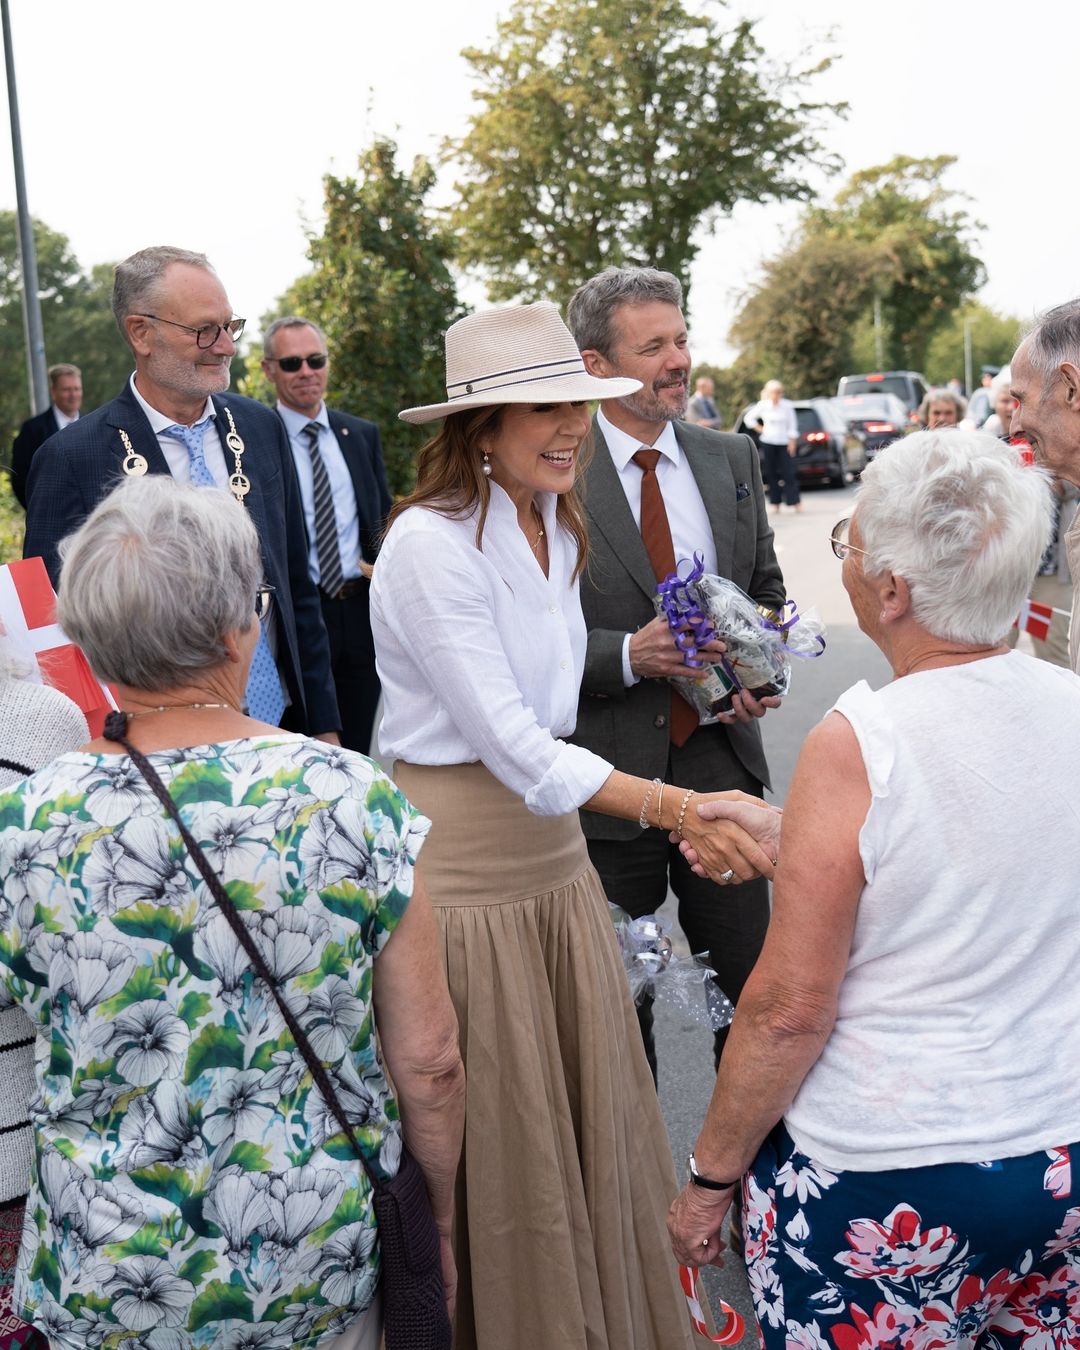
pixel 174 417
pixel 339 468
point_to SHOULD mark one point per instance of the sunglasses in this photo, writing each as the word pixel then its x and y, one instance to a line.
pixel 291 364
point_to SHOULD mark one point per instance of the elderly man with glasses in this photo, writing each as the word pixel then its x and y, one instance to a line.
pixel 339 466
pixel 174 417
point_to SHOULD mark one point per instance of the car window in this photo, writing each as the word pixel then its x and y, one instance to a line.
pixel 807 419
pixel 900 385
pixel 830 416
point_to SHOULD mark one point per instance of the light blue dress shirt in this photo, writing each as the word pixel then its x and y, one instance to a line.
pixel 341 485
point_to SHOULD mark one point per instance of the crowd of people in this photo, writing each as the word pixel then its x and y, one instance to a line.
pixel 894 1117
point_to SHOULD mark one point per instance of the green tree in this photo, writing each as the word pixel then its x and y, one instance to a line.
pixel 382 290
pixel 993 340
pixel 921 242
pixel 611 129
pixel 893 240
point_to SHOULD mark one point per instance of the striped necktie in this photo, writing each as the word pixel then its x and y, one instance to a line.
pixel 331 576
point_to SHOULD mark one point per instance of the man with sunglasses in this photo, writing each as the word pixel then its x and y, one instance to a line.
pixel 174 417
pixel 339 468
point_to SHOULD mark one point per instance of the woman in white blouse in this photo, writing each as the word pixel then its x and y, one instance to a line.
pixel 480 644
pixel 779 431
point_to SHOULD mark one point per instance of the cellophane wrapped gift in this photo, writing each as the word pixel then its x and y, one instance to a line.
pixel 760 642
pixel 687 983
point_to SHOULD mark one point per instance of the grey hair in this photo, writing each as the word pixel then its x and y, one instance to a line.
pixel 1054 337
pixel 290 321
pixel 590 314
pixel 137 279
pixel 964 521
pixel 943 395
pixel 60 370
pixel 154 579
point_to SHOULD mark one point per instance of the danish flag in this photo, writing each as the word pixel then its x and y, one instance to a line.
pixel 1035 619
pixel 28 620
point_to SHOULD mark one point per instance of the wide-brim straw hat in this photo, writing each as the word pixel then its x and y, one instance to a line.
pixel 515 354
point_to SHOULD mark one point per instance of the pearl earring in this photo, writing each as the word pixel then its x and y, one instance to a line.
pixel 486 466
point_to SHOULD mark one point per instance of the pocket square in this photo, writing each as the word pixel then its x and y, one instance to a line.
pixel 742 491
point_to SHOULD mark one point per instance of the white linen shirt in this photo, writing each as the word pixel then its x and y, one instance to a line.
pixel 480 655
pixel 780 423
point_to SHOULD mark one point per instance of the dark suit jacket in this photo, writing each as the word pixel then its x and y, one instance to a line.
pixel 629 727
pixel 33 434
pixel 76 468
pixel 362 450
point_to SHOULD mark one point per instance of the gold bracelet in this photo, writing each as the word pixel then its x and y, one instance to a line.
pixel 660 807
pixel 643 814
pixel 682 810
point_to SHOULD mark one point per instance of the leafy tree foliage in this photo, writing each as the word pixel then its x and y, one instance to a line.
pixel 382 290
pixel 893 235
pixel 994 338
pixel 76 318
pixel 610 129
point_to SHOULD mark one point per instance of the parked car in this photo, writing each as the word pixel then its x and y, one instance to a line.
pixel 827 450
pixel 908 385
pixel 879 419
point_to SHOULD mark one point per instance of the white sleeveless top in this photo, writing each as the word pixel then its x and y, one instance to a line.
pixel 958 1032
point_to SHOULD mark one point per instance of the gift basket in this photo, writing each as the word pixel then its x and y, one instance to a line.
pixel 760 642
pixel 686 983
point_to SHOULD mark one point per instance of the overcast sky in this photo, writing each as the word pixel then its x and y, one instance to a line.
pixel 209 124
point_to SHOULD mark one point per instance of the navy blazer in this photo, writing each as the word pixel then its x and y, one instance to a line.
pixel 74 469
pixel 362 451
pixel 33 434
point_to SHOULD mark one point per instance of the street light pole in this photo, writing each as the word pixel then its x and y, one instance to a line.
pixel 967 355
pixel 35 335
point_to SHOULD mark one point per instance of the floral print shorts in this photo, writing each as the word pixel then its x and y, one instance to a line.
pixel 966 1255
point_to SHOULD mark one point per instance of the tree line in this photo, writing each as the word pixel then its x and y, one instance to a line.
pixel 606 132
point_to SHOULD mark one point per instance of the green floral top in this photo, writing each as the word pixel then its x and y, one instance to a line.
pixel 191 1189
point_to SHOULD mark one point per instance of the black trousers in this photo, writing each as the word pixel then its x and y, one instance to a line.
pixel 728 922
pixel 778 468
pixel 352 662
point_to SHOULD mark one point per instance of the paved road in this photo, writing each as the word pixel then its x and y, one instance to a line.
pixel 812 575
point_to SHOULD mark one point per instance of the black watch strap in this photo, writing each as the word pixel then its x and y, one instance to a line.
pixel 707 1183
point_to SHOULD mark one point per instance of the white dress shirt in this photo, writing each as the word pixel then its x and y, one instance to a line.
pixel 691 531
pixel 62 419
pixel 341 488
pixel 174 449
pixel 480 655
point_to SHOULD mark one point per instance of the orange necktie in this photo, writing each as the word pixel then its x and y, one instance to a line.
pixel 656 536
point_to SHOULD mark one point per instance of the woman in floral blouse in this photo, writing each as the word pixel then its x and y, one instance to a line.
pixel 191 1188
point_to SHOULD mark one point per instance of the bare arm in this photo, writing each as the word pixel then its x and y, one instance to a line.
pixel 418 1034
pixel 788 1007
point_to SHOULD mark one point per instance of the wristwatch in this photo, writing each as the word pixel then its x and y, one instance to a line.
pixel 707 1183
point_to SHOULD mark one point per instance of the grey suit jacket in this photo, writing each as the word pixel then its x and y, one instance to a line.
pixel 629 727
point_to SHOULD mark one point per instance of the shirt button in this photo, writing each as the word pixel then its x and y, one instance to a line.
pixel 553 609
pixel 660 720
pixel 564 665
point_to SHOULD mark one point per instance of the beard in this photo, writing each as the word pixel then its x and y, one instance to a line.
pixel 650 407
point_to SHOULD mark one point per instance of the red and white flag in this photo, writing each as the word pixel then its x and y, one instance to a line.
pixel 1035 619
pixel 28 621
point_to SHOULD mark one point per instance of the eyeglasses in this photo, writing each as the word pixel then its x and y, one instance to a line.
pixel 208 334
pixel 838 539
pixel 263 598
pixel 291 364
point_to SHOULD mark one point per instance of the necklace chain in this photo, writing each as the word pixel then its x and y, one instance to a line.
pixel 174 707
pixel 540 529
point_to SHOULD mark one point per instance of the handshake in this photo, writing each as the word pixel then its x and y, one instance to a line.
pixel 730 837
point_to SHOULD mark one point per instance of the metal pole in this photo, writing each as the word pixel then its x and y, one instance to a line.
pixel 35 335
pixel 879 343
pixel 967 355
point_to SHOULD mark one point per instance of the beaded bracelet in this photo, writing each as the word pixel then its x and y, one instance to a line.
pixel 682 810
pixel 660 807
pixel 643 815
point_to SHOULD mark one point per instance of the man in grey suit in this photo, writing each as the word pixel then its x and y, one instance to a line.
pixel 706 489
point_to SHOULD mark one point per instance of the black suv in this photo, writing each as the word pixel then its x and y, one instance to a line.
pixel 879 419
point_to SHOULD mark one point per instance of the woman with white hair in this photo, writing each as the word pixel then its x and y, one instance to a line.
pixel 192 1186
pixel 900 1085
pixel 778 428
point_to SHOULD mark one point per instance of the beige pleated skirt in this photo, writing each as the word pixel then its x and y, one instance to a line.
pixel 566 1173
